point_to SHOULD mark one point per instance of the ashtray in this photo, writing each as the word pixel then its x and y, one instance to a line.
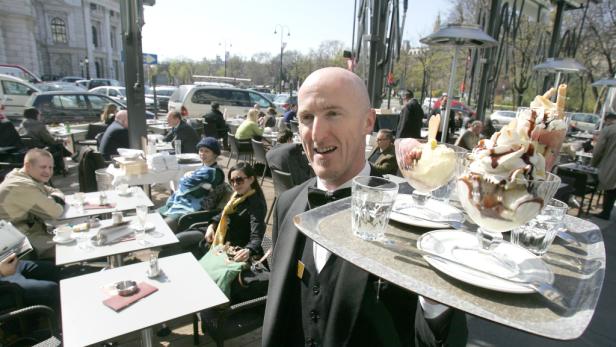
pixel 126 288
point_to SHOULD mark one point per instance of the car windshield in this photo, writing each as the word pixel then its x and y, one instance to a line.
pixel 122 91
pixel 281 98
pixel 585 117
pixel 180 93
pixel 509 114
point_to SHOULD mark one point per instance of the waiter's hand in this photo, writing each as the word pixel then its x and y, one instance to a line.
pixel 8 266
pixel 242 255
pixel 209 234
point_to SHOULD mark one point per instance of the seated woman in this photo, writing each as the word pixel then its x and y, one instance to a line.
pixel 198 190
pixel 108 115
pixel 242 222
pixel 249 128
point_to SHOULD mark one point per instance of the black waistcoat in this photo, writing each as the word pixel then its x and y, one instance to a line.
pixel 316 294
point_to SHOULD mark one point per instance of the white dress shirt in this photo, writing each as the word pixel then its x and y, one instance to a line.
pixel 321 255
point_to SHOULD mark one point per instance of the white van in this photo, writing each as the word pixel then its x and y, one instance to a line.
pixel 15 92
pixel 196 100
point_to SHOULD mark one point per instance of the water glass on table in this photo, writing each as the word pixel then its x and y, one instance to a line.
pixel 538 234
pixel 177 145
pixel 371 203
pixel 142 215
pixel 80 199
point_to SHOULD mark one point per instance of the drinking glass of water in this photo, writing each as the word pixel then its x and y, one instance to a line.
pixel 538 234
pixel 80 199
pixel 142 216
pixel 371 203
pixel 177 146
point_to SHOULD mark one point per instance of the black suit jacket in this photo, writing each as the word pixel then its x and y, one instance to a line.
pixel 411 120
pixel 115 136
pixel 351 320
pixel 289 157
pixel 187 135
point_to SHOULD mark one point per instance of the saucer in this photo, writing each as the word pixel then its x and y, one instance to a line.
pixel 148 226
pixel 128 193
pixel 63 241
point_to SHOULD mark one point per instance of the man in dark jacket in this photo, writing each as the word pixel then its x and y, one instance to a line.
pixel 289 157
pixel 181 131
pixel 217 118
pixel 411 117
pixel 115 136
pixel 316 298
pixel 383 157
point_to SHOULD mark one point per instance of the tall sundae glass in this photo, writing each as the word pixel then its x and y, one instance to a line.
pixel 505 184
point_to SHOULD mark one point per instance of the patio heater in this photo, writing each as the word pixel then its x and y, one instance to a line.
pixel 458 36
pixel 609 83
pixel 560 66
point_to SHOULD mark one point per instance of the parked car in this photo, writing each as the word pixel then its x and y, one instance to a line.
pixel 20 72
pixel 71 79
pixel 500 118
pixel 119 94
pixel 163 93
pixel 97 82
pixel 72 107
pixel 282 101
pixel 59 86
pixel 583 121
pixel 15 92
pixel 195 100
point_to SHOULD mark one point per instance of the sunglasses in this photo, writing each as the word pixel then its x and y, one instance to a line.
pixel 237 180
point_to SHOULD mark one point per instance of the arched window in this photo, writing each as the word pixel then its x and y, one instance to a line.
pixel 58 30
pixel 94 36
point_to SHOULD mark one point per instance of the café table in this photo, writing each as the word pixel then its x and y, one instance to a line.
pixel 183 288
pixel 582 135
pixel 159 128
pixel 122 203
pixel 70 253
pixel 152 176
pixel 579 271
pixel 591 171
pixel 67 136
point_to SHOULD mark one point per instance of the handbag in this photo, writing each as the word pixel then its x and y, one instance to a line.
pixel 221 268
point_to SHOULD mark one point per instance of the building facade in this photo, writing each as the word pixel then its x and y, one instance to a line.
pixel 56 38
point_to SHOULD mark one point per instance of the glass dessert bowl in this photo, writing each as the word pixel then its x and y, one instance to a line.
pixel 500 205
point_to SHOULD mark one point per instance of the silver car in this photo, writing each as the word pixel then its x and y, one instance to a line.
pixel 500 118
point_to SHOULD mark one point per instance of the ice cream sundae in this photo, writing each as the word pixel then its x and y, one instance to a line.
pixel 506 182
pixel 546 123
pixel 427 165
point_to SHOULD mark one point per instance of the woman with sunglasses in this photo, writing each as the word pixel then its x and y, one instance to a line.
pixel 242 221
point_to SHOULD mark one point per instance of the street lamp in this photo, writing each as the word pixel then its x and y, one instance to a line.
pixel 87 67
pixel 282 44
pixel 230 45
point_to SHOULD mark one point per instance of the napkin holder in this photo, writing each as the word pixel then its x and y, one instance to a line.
pixel 111 234
pixel 131 167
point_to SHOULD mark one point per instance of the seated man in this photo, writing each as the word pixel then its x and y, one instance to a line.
pixel 181 131
pixel 38 279
pixel 383 157
pixel 115 136
pixel 37 130
pixel 289 157
pixel 28 202
pixel 471 136
pixel 290 114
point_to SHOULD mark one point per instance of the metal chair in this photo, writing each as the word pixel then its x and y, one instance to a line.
pixel 239 318
pixel 24 333
pixel 239 148
pixel 93 130
pixel 579 181
pixel 282 182
pixel 259 156
pixel 294 125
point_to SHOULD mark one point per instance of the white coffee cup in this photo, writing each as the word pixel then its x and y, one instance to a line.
pixel 63 232
pixel 123 188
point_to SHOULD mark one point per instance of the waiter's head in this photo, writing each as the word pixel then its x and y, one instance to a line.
pixel 334 117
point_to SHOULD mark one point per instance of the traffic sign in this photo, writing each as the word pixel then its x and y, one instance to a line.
pixel 149 58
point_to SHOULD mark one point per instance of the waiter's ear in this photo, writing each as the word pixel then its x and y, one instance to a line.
pixel 370 119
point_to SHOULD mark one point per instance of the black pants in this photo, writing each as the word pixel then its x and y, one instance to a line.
pixel 609 198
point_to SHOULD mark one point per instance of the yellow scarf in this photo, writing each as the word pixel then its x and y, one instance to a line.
pixel 221 230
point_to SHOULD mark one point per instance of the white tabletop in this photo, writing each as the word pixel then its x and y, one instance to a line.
pixel 584 154
pixel 151 177
pixel 123 203
pixel 71 253
pixel 582 135
pixel 61 132
pixel 86 320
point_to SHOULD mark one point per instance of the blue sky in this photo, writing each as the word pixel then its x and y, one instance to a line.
pixel 198 28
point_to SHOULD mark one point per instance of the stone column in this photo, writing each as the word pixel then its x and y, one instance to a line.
pixel 106 41
pixel 89 49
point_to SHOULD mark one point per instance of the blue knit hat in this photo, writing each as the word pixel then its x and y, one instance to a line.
pixel 210 143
